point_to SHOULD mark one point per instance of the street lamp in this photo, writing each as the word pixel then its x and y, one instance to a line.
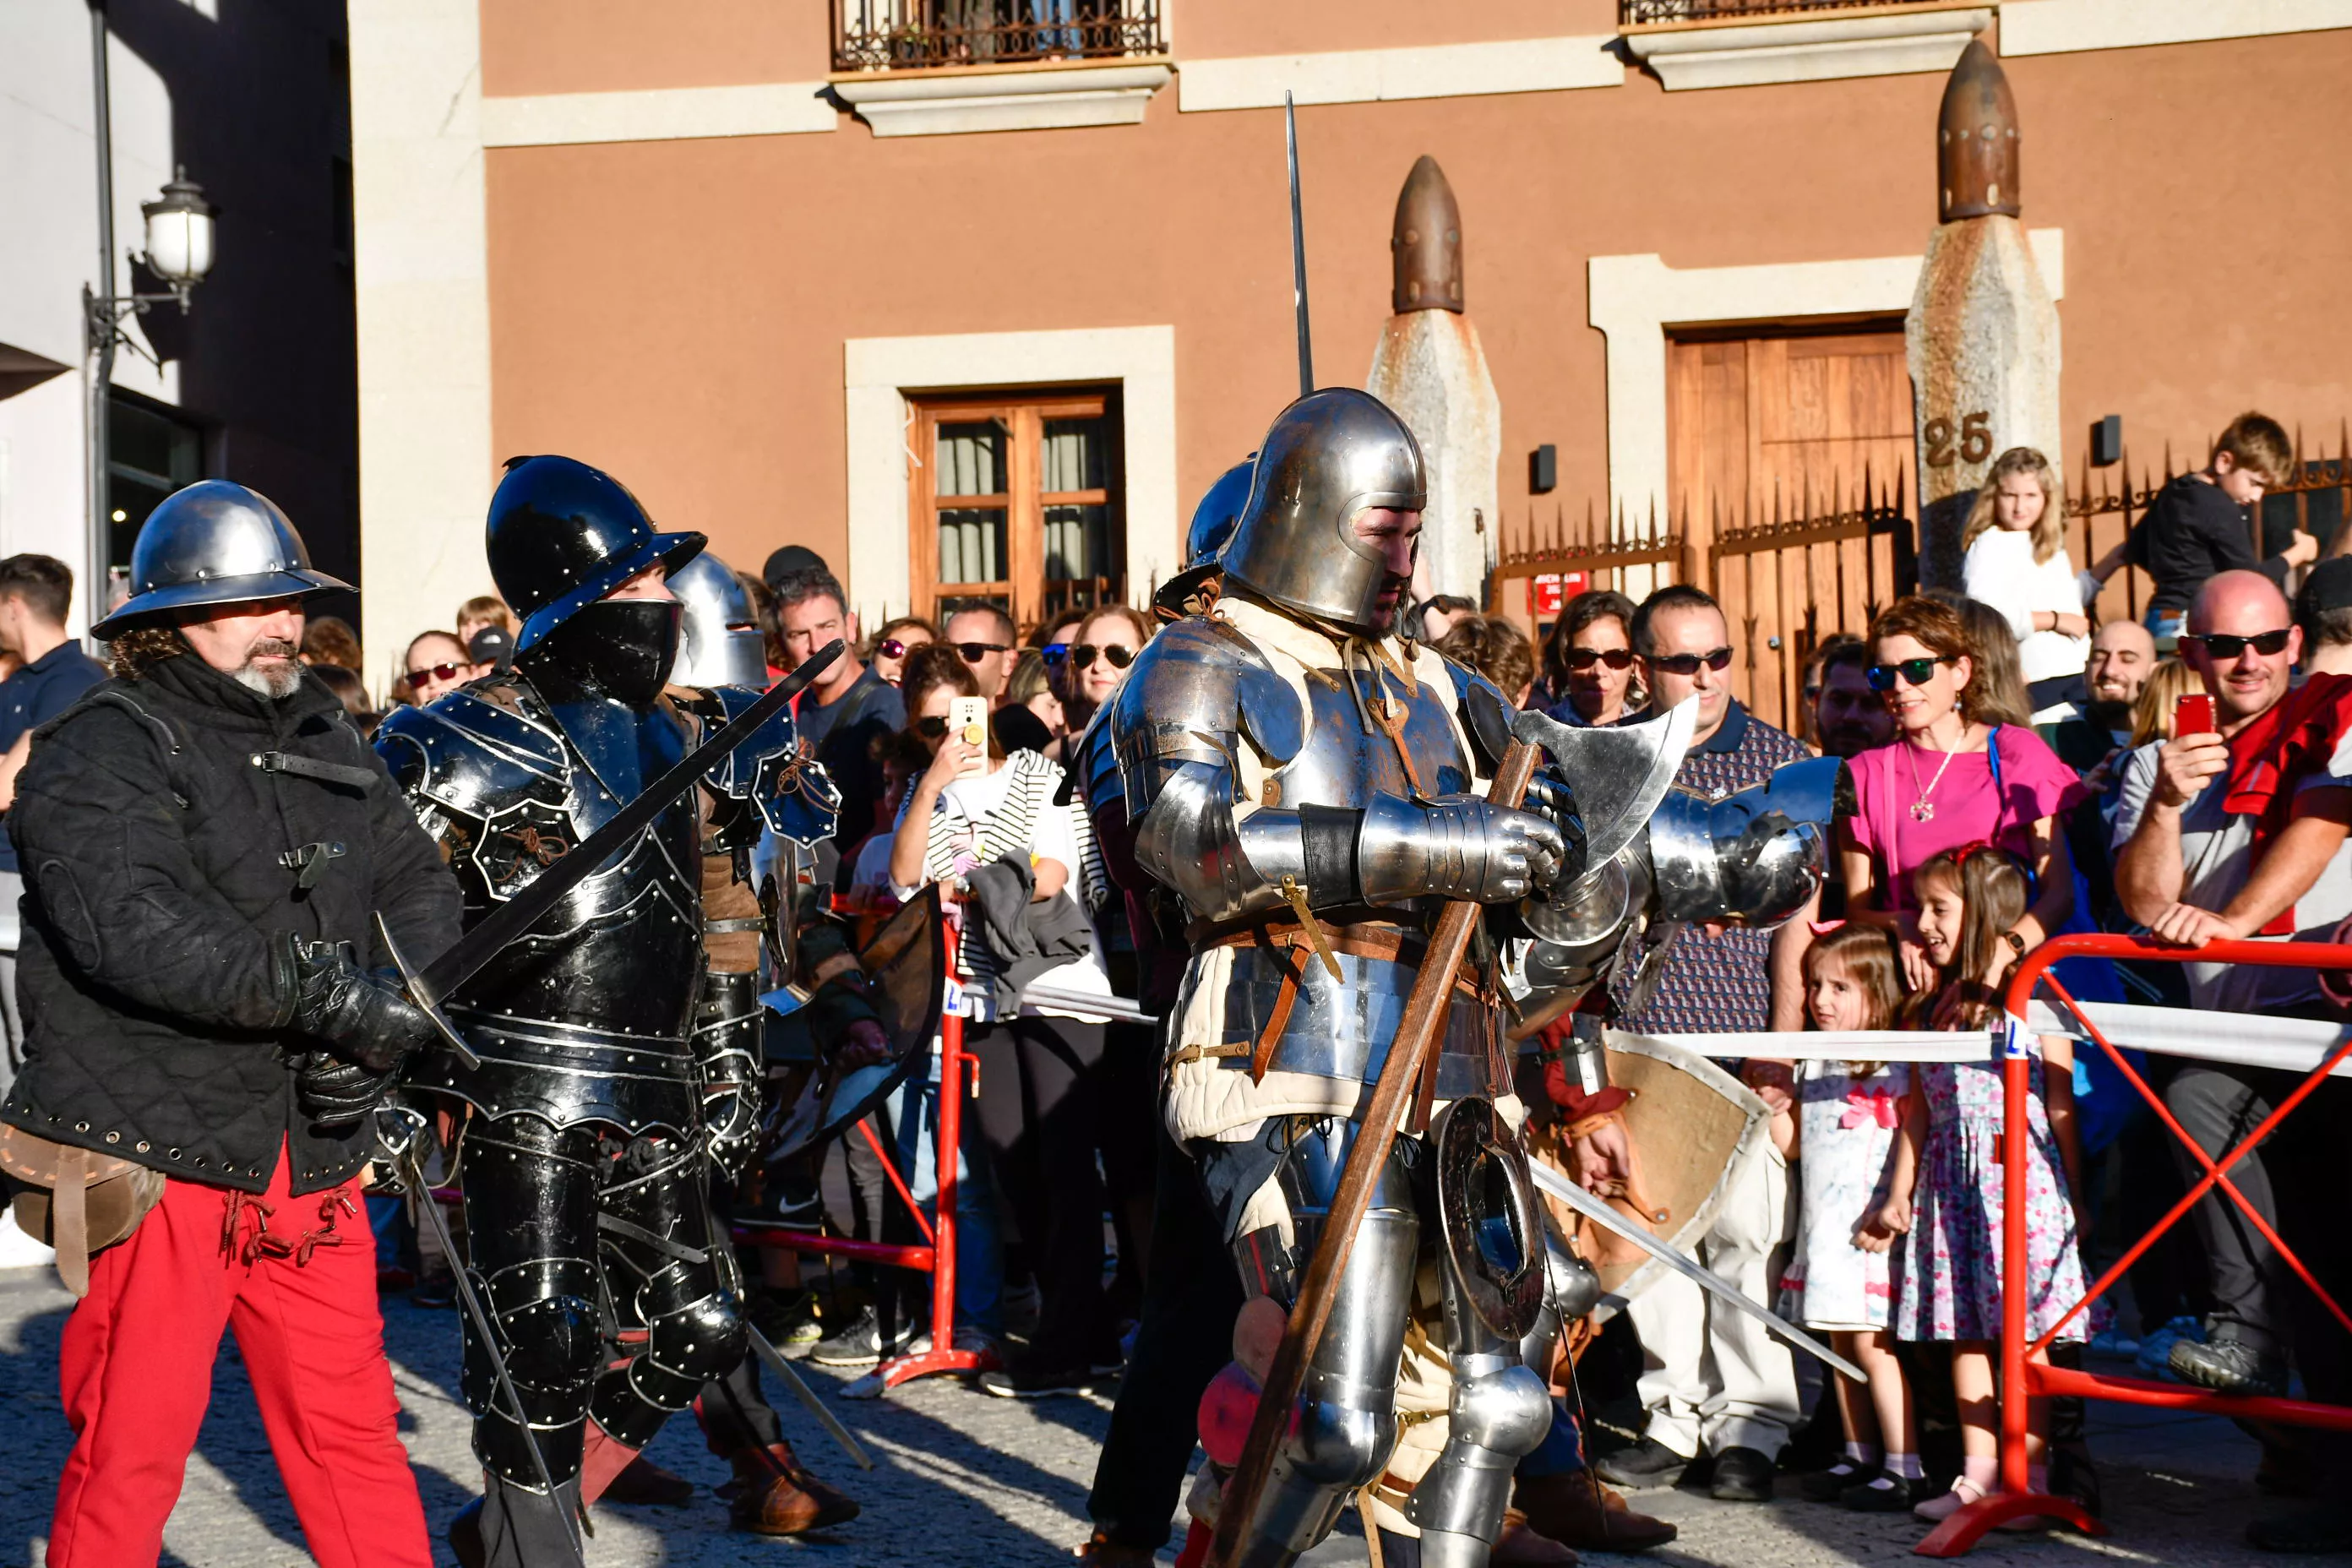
pixel 179 251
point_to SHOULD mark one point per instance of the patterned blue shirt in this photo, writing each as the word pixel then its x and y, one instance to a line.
pixel 1717 984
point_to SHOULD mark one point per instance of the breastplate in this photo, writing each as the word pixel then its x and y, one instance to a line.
pixel 1344 763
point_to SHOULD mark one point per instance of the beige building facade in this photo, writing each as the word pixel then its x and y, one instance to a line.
pixel 970 303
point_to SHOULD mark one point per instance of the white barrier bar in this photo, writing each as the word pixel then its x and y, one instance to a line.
pixel 2238 1039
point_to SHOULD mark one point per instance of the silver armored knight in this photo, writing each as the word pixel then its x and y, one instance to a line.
pixel 1305 784
pixel 619 1058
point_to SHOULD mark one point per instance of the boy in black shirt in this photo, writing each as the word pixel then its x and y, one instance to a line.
pixel 2200 524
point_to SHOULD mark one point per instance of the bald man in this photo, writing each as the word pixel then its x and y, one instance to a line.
pixel 2192 872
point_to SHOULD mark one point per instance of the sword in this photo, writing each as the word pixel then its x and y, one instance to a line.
pixel 1297 252
pixel 431 985
pixel 414 1175
pixel 770 1357
pixel 1602 1215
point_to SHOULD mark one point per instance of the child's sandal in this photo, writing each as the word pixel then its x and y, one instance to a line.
pixel 1936 1510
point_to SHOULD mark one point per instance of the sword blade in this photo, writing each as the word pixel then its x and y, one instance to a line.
pixel 413 1174
pixel 1298 252
pixel 1602 1215
pixel 491 935
pixel 773 1359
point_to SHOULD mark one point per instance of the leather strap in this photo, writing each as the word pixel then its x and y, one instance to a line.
pixel 69 1219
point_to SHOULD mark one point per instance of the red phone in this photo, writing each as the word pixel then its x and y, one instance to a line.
pixel 2192 715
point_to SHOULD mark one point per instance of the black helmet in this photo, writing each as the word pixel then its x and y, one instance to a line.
pixel 214 542
pixel 563 535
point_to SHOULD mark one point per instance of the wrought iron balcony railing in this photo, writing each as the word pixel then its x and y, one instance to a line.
pixel 1638 13
pixel 915 34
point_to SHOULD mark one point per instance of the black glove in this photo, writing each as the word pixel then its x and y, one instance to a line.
pixel 335 1094
pixel 364 1017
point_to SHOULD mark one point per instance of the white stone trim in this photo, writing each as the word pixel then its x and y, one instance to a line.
pixel 1374 75
pixel 1818 50
pixel 659 114
pixel 943 103
pixel 1635 298
pixel 421 264
pixel 878 373
pixel 2062 26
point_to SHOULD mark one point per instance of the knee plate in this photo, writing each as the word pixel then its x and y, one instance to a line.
pixel 684 1349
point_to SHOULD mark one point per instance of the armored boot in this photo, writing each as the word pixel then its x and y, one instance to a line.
pixel 512 1527
pixel 776 1495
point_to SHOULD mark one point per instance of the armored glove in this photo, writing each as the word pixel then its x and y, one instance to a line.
pixel 1457 847
pixel 333 1094
pixel 366 1018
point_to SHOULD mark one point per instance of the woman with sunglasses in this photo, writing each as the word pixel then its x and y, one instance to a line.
pixel 1954 774
pixel 974 807
pixel 1588 675
pixel 1107 643
pixel 437 663
pixel 895 641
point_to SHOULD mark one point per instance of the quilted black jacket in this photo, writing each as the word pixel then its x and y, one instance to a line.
pixel 152 822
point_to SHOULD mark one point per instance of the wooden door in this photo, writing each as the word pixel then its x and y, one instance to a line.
pixel 1774 436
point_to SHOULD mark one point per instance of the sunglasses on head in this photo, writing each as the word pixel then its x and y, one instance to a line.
pixel 2222 644
pixel 932 728
pixel 1082 655
pixel 1718 660
pixel 1914 671
pixel 973 652
pixel 1617 657
pixel 437 672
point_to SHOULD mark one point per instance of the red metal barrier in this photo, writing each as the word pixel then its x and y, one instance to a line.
pixel 938 1260
pixel 2024 1377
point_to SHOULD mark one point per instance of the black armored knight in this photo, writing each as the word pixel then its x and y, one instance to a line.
pixel 615 1063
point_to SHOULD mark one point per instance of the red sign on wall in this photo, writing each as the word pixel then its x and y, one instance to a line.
pixel 1548 590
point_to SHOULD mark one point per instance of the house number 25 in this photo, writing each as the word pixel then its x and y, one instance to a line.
pixel 1976 440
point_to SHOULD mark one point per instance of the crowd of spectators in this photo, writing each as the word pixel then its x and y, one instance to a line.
pixel 2019 771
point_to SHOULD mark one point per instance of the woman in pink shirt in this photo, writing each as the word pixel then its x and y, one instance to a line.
pixel 1951 777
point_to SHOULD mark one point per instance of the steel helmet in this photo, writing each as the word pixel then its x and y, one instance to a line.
pixel 214 542
pixel 721 644
pixel 1328 457
pixel 563 535
pixel 1213 524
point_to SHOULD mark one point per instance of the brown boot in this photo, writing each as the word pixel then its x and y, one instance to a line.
pixel 774 1496
pixel 1101 1551
pixel 1520 1546
pixel 1577 1510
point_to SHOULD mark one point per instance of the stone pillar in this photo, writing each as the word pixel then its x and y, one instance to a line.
pixel 1982 333
pixel 1431 369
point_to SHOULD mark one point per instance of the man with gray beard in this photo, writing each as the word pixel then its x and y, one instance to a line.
pixel 205 842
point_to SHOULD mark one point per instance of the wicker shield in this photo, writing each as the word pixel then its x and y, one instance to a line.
pixel 1688 1120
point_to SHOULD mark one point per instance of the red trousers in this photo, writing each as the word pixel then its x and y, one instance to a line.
pixel 135 1369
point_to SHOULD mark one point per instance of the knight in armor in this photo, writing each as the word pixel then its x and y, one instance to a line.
pixel 618 1040
pixel 1305 784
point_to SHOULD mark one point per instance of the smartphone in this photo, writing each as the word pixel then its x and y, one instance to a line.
pixel 968 718
pixel 2192 715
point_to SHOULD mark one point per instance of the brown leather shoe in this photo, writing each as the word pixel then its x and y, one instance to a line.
pixel 775 1495
pixel 642 1481
pixel 1101 1551
pixel 1576 1508
pixel 1521 1546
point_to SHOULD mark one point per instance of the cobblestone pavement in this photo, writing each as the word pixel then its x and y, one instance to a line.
pixel 964 1479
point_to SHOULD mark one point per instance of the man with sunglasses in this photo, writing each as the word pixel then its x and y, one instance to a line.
pixel 845 711
pixel 2194 865
pixel 1715 1381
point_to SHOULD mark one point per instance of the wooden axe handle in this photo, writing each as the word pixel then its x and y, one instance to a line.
pixel 1415 1036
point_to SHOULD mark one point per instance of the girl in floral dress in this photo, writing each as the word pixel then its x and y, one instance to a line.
pixel 1837 1285
pixel 1945 1195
